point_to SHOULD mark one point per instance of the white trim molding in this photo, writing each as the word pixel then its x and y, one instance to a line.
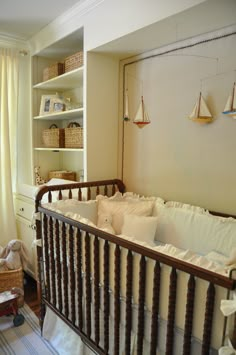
pixel 63 25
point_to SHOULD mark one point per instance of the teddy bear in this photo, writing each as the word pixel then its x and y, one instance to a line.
pixel 105 223
pixel 14 256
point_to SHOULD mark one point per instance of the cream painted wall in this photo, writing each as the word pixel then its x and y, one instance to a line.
pixel 174 157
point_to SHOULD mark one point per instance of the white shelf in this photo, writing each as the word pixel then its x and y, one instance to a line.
pixel 64 115
pixel 60 149
pixel 69 80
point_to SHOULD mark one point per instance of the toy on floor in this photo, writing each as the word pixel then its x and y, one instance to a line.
pixel 8 305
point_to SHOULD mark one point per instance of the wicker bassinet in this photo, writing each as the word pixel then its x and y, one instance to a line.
pixel 10 279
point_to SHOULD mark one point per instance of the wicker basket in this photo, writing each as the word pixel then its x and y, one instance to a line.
pixel 62 174
pixel 54 137
pixel 53 70
pixel 10 279
pixel 74 61
pixel 74 136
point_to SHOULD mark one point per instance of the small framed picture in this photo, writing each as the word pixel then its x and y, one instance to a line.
pixel 46 104
pixel 57 105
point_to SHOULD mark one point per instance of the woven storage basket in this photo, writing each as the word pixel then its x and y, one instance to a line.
pixel 53 70
pixel 54 137
pixel 74 61
pixel 10 279
pixel 62 174
pixel 74 136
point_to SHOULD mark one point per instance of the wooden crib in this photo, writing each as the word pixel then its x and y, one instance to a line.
pixel 87 279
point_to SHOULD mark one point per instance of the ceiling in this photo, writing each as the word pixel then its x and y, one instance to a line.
pixel 23 19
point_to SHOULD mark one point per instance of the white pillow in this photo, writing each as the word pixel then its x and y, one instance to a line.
pixel 140 227
pixel 186 206
pixel 86 209
pixel 199 232
pixel 117 210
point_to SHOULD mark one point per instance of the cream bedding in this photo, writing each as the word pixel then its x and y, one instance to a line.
pixel 212 260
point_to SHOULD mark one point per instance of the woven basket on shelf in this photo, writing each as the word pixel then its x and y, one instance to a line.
pixel 62 174
pixel 74 61
pixel 10 279
pixel 53 70
pixel 54 137
pixel 74 136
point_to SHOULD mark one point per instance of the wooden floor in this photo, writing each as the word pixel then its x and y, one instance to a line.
pixel 30 290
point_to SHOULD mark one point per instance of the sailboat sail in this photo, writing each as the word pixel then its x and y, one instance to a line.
pixel 230 107
pixel 200 111
pixel 141 118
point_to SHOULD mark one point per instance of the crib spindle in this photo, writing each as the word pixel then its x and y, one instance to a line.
pixel 58 265
pixel 96 290
pixel 113 189
pixel 189 316
pixel 72 273
pixel 142 284
pixel 79 278
pixel 52 262
pixel 89 193
pixel 105 190
pixel 49 196
pixel 88 285
pixel 106 296
pixel 65 271
pixel 117 302
pixel 60 195
pixel 80 194
pixel 97 191
pixel 155 308
pixel 171 312
pixel 46 256
pixel 210 299
pixel 129 279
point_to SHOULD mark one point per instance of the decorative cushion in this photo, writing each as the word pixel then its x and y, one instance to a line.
pixel 140 227
pixel 86 209
pixel 118 208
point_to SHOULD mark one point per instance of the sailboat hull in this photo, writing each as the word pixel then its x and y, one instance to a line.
pixel 202 119
pixel 141 124
pixel 229 113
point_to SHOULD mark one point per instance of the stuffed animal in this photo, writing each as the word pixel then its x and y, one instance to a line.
pixel 3 265
pixel 14 256
pixel 106 224
pixel 38 179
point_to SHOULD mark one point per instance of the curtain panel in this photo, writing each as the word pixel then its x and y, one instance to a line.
pixel 9 87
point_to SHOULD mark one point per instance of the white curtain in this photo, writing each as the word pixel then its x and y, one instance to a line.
pixel 9 78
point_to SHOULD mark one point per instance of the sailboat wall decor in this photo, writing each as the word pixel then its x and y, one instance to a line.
pixel 230 107
pixel 201 112
pixel 141 118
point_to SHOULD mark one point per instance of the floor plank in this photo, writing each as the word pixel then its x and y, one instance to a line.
pixel 30 294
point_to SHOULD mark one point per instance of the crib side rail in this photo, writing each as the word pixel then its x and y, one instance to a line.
pixel 87 190
pixel 77 247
